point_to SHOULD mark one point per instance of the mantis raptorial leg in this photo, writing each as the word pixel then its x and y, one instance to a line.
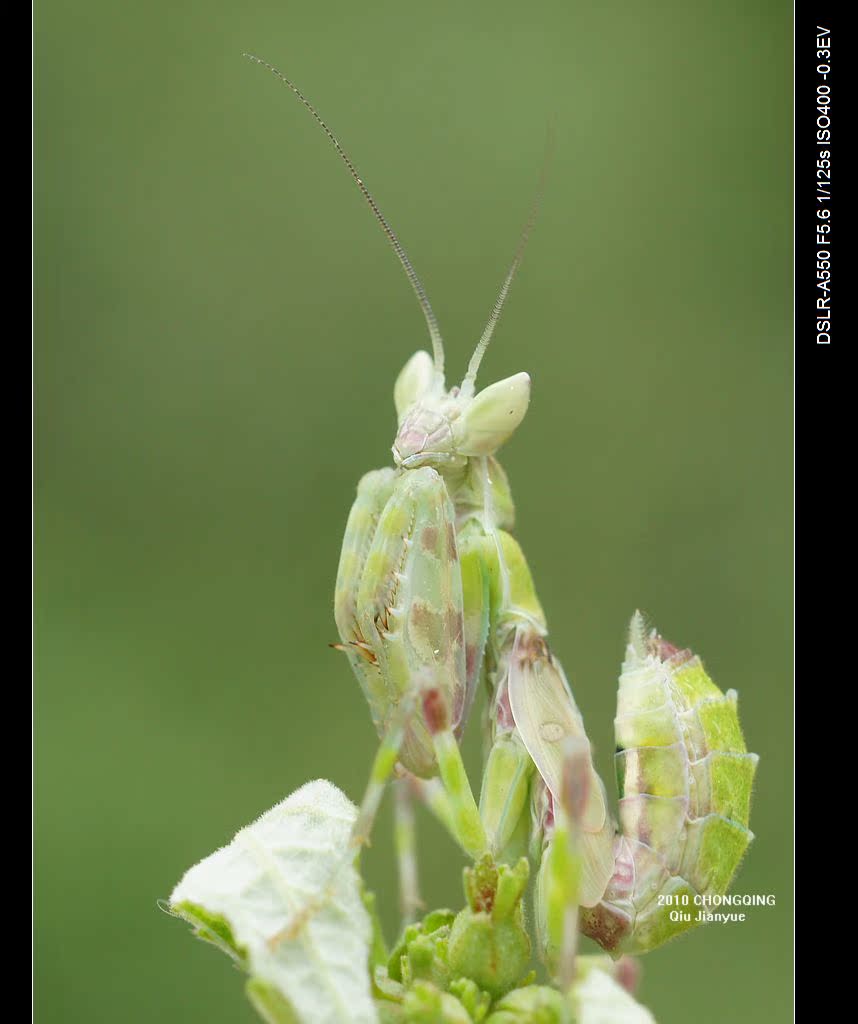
pixel 434 595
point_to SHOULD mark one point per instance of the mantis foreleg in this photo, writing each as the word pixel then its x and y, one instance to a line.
pixel 401 618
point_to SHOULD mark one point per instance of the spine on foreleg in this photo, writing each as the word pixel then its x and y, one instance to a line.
pixel 685 780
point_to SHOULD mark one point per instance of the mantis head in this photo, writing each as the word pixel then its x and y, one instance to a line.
pixel 443 429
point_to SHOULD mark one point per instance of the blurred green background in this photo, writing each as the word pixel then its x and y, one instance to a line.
pixel 219 325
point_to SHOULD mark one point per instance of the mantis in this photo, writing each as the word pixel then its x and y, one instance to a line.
pixel 434 600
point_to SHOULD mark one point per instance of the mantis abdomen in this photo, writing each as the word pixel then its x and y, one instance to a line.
pixel 685 779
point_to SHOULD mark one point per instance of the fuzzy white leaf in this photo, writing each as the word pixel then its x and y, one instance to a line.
pixel 288 893
pixel 599 999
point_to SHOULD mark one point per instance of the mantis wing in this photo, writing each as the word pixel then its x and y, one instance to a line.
pixel 547 717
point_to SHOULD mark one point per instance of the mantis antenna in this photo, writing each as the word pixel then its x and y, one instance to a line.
pixel 411 273
pixel 467 388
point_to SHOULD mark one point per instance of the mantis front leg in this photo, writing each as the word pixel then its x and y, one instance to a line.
pixel 400 614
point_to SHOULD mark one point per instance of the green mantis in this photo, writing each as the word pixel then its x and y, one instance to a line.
pixel 434 600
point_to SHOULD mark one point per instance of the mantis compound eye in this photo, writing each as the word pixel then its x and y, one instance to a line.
pixel 489 419
pixel 414 381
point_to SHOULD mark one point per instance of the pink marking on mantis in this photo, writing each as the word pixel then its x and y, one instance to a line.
pixel 435 711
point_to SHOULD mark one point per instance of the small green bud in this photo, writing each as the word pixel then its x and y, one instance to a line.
pixel 390 1013
pixel 384 987
pixel 426 1004
pixel 488 941
pixel 436 919
pixel 475 1001
pixel 536 1004
pixel 427 960
pixel 421 952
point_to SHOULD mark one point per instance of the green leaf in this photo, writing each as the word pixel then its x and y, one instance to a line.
pixel 284 898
